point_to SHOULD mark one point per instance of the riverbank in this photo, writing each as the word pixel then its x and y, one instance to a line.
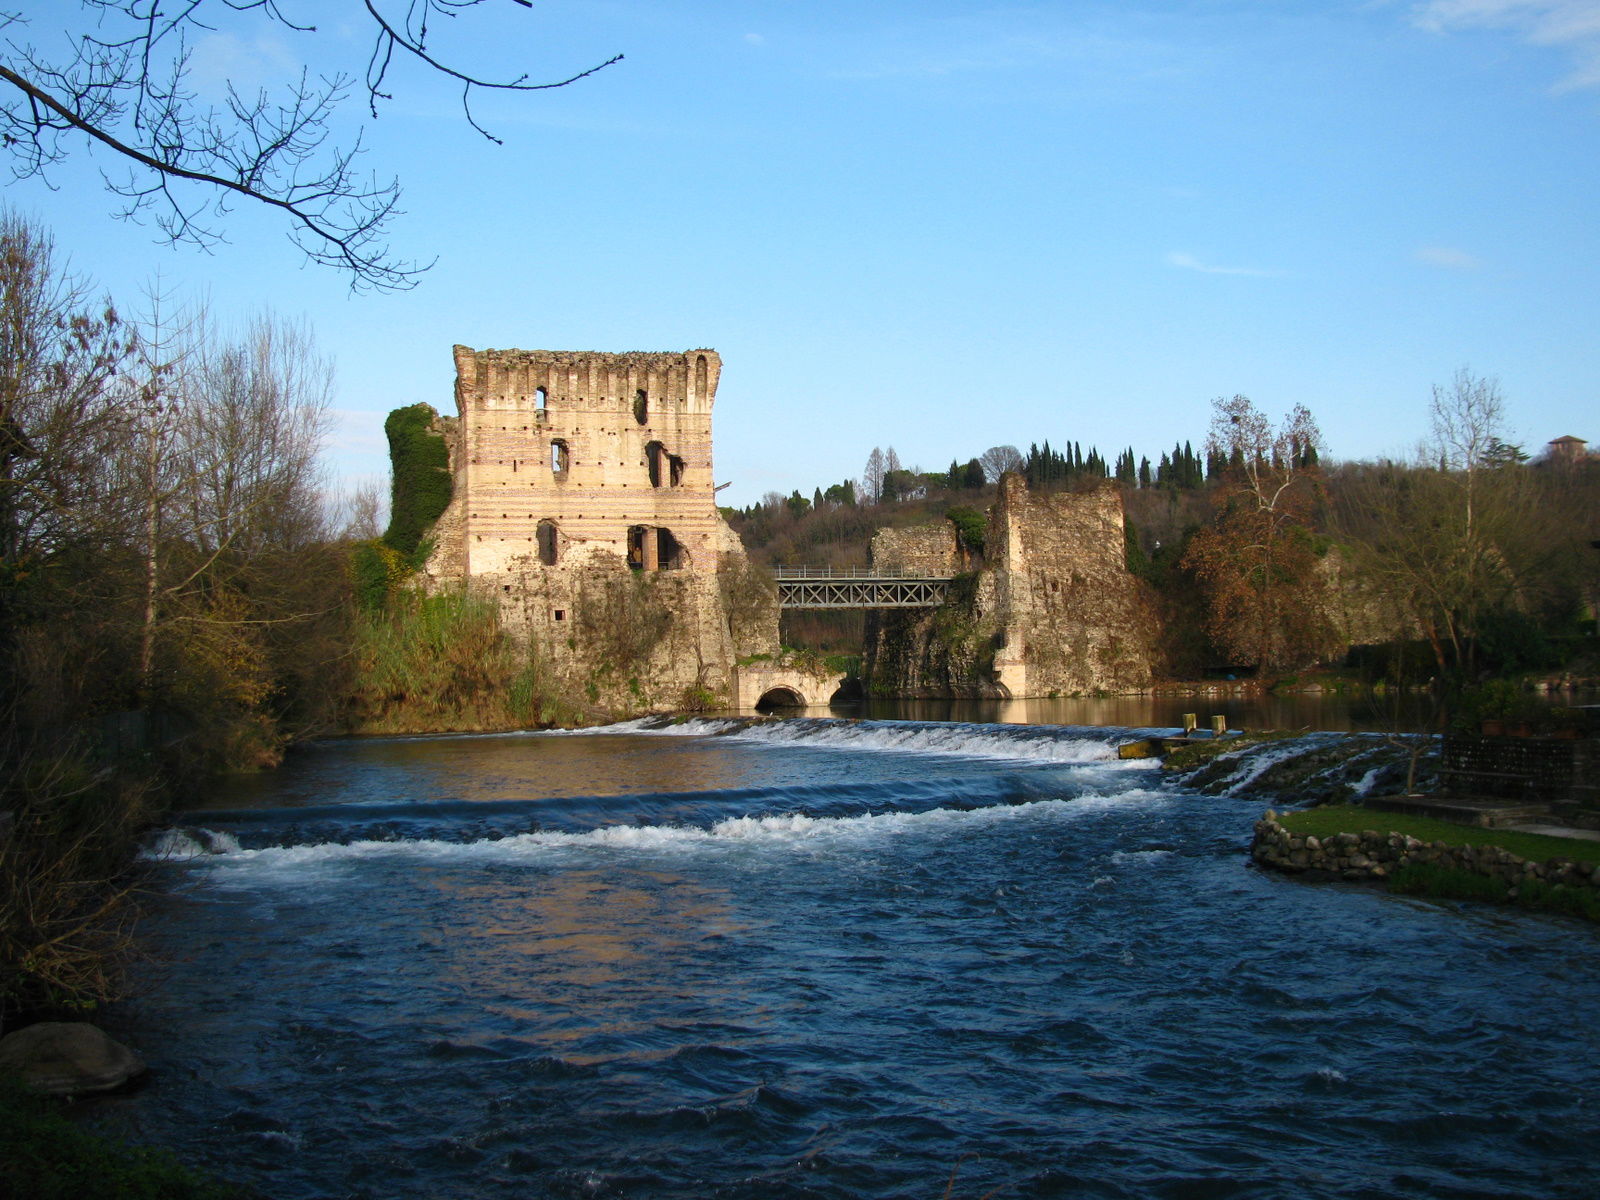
pixel 47 1157
pixel 1426 857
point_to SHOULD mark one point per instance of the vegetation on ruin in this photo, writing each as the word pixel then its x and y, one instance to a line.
pixel 432 661
pixel 420 471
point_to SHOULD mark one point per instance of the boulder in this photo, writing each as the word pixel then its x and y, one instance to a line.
pixel 67 1058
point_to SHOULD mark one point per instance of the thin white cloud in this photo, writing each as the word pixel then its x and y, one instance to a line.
pixel 220 59
pixel 1188 262
pixel 1447 258
pixel 1571 24
pixel 1008 42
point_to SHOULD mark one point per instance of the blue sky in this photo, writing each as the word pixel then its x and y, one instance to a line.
pixel 944 225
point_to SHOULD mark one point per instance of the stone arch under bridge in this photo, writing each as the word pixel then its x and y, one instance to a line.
pixel 762 685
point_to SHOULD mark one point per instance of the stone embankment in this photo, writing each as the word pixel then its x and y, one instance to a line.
pixel 1370 855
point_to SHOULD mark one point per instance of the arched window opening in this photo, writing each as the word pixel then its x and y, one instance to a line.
pixel 641 406
pixel 701 377
pixel 549 542
pixel 541 399
pixel 560 456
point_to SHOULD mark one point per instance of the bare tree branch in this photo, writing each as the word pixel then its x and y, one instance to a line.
pixel 123 82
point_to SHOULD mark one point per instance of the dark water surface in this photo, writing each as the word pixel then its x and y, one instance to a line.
pixel 828 959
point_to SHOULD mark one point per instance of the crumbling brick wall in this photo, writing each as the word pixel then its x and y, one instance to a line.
pixel 584 500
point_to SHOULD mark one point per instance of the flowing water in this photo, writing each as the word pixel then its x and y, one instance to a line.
pixel 817 958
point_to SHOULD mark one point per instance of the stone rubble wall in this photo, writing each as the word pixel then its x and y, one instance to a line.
pixel 1054 610
pixel 1370 855
pixel 931 550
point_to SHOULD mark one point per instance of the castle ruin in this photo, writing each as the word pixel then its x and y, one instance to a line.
pixel 1053 610
pixel 583 497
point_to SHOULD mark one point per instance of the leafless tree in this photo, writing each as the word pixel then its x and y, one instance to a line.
pixel 59 352
pixel 1457 534
pixel 997 460
pixel 1257 562
pixel 360 511
pixel 117 74
pixel 225 473
pixel 872 477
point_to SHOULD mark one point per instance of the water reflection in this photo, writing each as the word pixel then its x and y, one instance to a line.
pixel 1326 711
pixel 476 768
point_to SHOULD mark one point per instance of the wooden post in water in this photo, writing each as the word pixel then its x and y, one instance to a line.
pixel 1219 726
pixel 1190 722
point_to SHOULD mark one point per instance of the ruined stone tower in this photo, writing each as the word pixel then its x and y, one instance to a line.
pixel 566 455
pixel 583 495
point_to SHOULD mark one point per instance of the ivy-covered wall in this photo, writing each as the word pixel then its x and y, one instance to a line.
pixel 420 463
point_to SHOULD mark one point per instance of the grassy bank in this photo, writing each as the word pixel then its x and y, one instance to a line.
pixel 47 1157
pixel 1350 818
pixel 1560 893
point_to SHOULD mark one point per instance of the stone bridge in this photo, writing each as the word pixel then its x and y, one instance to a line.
pixel 769 685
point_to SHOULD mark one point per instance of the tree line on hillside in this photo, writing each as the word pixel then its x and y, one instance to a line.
pixel 1470 558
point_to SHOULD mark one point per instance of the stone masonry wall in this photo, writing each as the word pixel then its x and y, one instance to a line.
pixel 1371 855
pixel 1053 611
pixel 584 501
pixel 1075 619
pixel 919 549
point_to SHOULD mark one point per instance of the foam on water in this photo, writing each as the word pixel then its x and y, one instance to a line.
pixel 225 861
pixel 1017 743
pixel 1256 761
pixel 655 727
pixel 179 844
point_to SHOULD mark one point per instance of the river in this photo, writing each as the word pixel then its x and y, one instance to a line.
pixel 820 958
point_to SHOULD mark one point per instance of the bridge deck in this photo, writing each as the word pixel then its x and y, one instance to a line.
pixel 858 587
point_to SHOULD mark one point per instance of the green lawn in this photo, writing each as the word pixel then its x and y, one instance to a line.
pixel 1350 818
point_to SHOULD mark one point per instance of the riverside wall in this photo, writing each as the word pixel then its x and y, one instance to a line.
pixel 1374 856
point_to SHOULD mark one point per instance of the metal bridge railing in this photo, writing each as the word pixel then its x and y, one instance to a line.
pixel 854 573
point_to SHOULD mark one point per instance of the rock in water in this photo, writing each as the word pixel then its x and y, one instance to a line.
pixel 67 1058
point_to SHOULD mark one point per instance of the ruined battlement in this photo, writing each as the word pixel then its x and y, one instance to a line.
pixel 563 455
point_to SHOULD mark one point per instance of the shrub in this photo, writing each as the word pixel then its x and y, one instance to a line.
pixel 971 526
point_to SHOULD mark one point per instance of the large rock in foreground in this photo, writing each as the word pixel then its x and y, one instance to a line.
pixel 67 1058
